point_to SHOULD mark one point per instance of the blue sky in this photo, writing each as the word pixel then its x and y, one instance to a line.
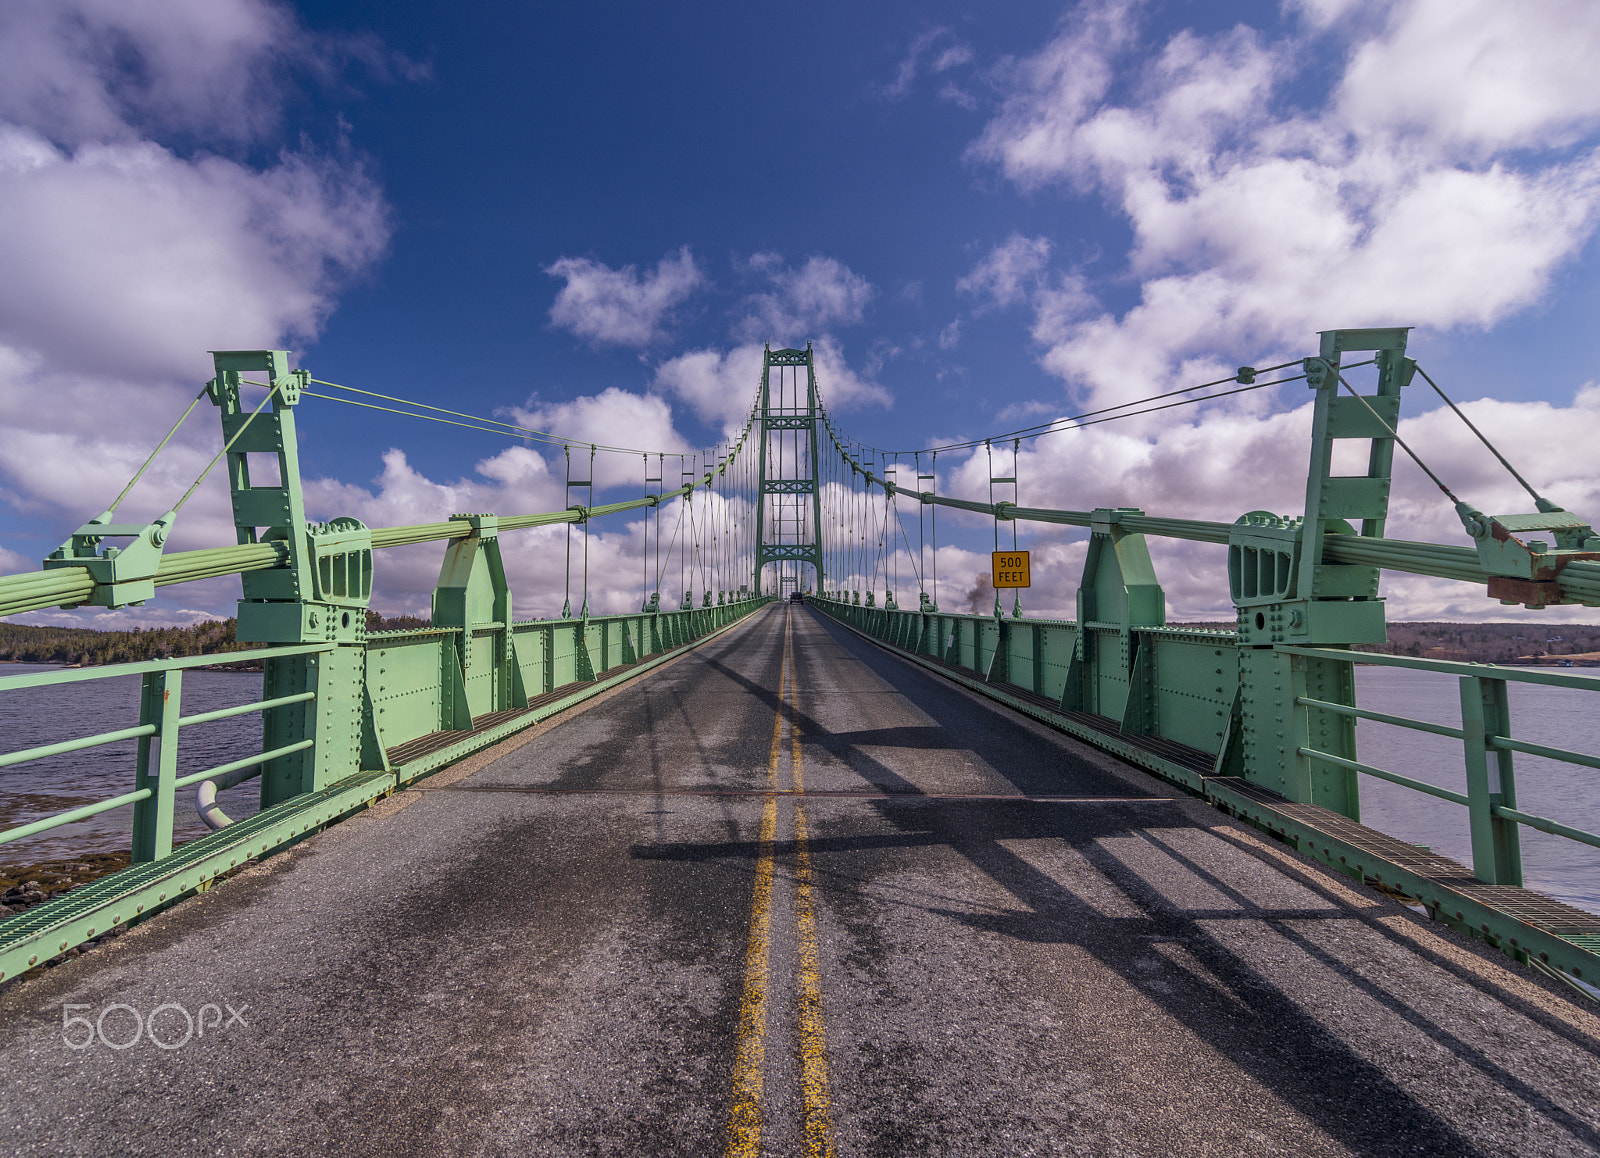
pixel 590 216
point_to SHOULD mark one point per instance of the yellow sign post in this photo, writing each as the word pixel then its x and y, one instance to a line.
pixel 1011 569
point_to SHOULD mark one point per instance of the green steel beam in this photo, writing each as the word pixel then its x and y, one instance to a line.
pixel 37 590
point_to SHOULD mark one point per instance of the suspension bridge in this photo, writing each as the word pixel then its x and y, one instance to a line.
pixel 792 859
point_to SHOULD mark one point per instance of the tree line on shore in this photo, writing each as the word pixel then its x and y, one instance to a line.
pixel 1467 642
pixel 21 643
pixel 1479 642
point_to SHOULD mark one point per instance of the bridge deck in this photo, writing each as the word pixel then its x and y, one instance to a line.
pixel 795 883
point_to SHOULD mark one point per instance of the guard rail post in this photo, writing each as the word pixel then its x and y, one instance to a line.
pixel 160 705
pixel 1496 843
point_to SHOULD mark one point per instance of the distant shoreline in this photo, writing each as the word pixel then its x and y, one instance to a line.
pixel 1513 644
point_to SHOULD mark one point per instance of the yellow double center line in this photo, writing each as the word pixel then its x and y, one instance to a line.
pixel 744 1122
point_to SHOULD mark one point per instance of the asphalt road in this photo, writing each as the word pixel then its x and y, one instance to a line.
pixel 791 895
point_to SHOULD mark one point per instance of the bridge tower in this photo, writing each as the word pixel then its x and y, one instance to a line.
pixel 789 506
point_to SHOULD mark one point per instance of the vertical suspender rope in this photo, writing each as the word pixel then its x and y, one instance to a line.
pixel 723 529
pixel 711 507
pixel 566 607
pixel 855 529
pixel 724 525
pixel 719 528
pixel 883 536
pixel 584 614
pixel 694 531
pixel 699 531
pixel 683 547
pixel 644 584
pixel 896 503
pixel 861 539
pixel 933 519
pixel 727 524
pixel 1016 493
pixel 922 558
pixel 988 450
pixel 868 573
pixel 661 482
pixel 867 513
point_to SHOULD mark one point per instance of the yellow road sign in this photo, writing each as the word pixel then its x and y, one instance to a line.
pixel 1011 569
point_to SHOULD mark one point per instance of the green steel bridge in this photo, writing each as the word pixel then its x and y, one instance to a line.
pixel 842 875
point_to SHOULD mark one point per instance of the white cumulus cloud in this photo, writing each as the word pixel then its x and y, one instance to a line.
pixel 133 242
pixel 1237 457
pixel 1010 272
pixel 622 307
pixel 1449 173
pixel 132 259
pixel 615 418
pixel 804 302
pixel 718 385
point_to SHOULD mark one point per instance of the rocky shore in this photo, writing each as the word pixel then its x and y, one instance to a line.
pixel 23 886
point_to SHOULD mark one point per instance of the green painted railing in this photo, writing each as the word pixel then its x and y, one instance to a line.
pixel 549 656
pixel 156 782
pixel 347 717
pixel 1172 700
pixel 435 695
pixel 1485 733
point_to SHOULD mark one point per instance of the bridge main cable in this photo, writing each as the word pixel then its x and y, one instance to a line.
pixel 68 586
pixel 38 590
pixel 1579 580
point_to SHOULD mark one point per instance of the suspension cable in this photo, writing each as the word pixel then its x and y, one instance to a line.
pixel 1539 500
pixel 1394 434
pixel 227 446
pixel 1079 425
pixel 139 474
pixel 1244 376
pixel 505 427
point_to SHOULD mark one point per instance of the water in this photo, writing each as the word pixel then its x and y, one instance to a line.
pixel 33 716
pixel 1566 718
pixel 1562 717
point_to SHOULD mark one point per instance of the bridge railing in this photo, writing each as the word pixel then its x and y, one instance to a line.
pixel 438 682
pixel 1162 696
pixel 416 701
pixel 1207 710
pixel 1485 734
pixel 158 732
pixel 1180 686
pixel 346 717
